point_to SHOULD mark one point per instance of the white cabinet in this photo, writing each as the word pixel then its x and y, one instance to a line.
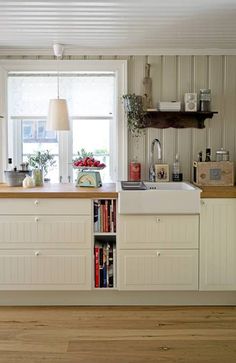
pixel 218 244
pixel 42 248
pixel 45 269
pixel 158 252
pixel 158 270
pixel 158 231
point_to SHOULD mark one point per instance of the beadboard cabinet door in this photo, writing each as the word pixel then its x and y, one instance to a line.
pixel 64 231
pixel 45 269
pixel 158 231
pixel 218 244
pixel 158 270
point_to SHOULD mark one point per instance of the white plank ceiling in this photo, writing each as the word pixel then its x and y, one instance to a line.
pixel 113 25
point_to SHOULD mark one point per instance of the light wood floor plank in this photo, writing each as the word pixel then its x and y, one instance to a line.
pixel 118 334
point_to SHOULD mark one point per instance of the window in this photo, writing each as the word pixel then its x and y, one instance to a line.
pixel 92 103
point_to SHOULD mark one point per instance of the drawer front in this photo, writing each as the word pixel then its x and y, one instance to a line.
pixel 158 231
pixel 45 206
pixel 158 270
pixel 23 231
pixel 45 269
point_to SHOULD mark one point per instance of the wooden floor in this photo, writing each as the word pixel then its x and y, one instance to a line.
pixel 118 334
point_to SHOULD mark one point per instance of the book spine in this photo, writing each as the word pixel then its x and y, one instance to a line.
pixel 95 215
pixel 96 253
pixel 101 266
pixel 114 266
pixel 114 213
pixel 106 216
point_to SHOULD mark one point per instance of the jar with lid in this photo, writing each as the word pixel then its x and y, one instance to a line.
pixel 222 155
pixel 205 99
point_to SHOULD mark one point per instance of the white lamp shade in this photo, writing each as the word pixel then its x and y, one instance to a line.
pixel 58 117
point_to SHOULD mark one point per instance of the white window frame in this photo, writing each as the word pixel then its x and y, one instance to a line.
pixel 119 67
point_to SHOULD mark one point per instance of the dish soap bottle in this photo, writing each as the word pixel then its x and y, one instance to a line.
pixel 176 175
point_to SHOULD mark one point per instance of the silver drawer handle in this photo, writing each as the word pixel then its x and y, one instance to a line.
pixel 158 253
pixel 36 202
pixel 36 253
pixel 36 219
pixel 158 219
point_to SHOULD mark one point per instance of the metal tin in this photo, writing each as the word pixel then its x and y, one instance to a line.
pixel 205 99
pixel 222 155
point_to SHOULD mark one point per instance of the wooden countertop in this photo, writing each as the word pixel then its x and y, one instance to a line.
pixel 59 191
pixel 218 192
pixel 106 191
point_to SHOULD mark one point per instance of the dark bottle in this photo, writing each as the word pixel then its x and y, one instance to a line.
pixel 200 156
pixel 208 154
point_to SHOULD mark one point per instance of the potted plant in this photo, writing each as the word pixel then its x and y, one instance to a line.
pixel 133 105
pixel 42 160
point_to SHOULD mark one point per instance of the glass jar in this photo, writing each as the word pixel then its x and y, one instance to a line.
pixel 205 99
pixel 222 155
pixel 38 177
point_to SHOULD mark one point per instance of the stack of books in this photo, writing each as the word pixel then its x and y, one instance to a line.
pixel 104 264
pixel 105 216
pixel 169 106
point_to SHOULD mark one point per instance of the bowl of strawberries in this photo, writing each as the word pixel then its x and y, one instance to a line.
pixel 88 162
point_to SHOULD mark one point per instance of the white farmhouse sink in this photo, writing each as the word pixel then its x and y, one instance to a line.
pixel 164 198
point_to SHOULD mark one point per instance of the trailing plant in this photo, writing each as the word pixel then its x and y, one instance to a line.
pixel 133 105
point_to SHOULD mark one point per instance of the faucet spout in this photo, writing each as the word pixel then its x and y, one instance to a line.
pixel 152 175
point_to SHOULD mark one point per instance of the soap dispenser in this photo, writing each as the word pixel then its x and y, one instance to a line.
pixel 176 175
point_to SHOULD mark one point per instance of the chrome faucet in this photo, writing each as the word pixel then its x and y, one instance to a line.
pixel 152 175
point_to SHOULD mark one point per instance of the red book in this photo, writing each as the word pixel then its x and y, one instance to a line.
pixel 96 267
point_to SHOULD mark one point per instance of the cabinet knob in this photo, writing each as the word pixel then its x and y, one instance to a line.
pixel 36 202
pixel 36 219
pixel 36 253
pixel 158 253
pixel 158 219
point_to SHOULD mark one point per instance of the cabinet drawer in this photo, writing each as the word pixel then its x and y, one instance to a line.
pixel 45 269
pixel 158 270
pixel 72 231
pixel 158 231
pixel 45 206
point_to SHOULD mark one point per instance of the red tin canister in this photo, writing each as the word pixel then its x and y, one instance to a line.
pixel 134 171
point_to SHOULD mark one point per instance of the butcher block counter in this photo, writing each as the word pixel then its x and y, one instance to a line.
pixel 59 190
pixel 106 191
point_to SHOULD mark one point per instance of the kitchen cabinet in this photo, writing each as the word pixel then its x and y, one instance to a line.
pixel 218 244
pixel 158 252
pixel 45 244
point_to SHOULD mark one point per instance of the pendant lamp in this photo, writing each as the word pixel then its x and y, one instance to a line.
pixel 58 117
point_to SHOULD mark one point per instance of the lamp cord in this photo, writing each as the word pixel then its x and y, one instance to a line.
pixel 57 79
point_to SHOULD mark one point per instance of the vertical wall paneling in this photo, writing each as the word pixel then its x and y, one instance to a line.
pixel 3 128
pixel 216 84
pixel 230 106
pixel 200 81
pixel 185 135
pixel 168 94
pixel 137 150
pixel 152 133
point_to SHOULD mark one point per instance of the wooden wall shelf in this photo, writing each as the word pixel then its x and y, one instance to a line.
pixel 176 119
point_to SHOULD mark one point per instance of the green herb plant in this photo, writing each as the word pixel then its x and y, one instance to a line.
pixel 42 160
pixel 133 105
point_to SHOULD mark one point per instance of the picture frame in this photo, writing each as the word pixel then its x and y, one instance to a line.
pixel 162 172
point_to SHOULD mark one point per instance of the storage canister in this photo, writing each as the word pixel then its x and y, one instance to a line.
pixel 205 99
pixel 222 155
